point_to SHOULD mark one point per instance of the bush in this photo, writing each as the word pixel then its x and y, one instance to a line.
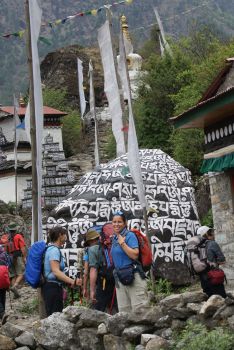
pixel 197 337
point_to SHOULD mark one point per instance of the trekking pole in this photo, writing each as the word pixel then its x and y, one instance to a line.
pixel 112 301
pixel 10 298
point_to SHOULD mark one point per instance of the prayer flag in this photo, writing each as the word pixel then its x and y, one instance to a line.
pixel 133 149
pixel 93 111
pixel 81 87
pixel 111 85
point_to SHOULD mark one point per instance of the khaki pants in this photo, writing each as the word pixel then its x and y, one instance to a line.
pixel 133 296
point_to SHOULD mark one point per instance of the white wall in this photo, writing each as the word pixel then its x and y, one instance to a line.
pixel 21 155
pixel 7 187
pixel 8 128
pixel 56 132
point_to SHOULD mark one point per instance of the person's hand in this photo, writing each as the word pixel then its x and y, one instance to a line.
pixel 85 293
pixel 121 240
pixel 78 282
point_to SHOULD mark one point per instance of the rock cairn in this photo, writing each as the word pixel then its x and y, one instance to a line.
pixel 149 328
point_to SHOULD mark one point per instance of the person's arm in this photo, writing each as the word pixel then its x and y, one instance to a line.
pixel 93 273
pixel 132 253
pixel 55 268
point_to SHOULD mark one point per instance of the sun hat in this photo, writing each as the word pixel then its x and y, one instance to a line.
pixel 91 235
pixel 203 230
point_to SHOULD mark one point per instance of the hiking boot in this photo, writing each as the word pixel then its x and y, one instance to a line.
pixel 15 292
pixel 4 319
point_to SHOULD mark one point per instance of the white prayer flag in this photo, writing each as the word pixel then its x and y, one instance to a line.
pixel 93 111
pixel 35 14
pixel 133 149
pixel 81 87
pixel 111 86
pixel 161 46
pixel 164 41
pixel 17 121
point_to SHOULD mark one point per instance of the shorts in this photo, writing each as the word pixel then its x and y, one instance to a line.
pixel 17 268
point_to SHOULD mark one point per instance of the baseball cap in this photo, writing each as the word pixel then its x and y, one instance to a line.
pixel 203 230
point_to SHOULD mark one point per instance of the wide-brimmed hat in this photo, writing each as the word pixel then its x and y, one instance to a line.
pixel 13 227
pixel 91 235
pixel 203 230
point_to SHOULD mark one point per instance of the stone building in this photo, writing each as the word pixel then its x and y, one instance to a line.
pixel 52 125
pixel 214 113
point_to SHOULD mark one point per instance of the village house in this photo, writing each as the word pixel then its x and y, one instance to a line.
pixel 8 173
pixel 215 114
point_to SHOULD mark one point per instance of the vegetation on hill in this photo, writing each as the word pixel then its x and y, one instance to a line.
pixel 170 86
pixel 177 17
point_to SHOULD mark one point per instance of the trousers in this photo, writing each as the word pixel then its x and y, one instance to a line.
pixel 53 297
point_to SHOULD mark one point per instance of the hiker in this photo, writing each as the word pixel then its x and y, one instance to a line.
pixel 19 255
pixel 102 284
pixel 215 258
pixel 129 275
pixel 52 289
pixel 4 281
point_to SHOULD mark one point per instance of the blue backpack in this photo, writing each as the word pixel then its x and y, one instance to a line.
pixel 34 264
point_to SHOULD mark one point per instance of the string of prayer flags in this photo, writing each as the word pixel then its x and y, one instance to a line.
pixel 51 24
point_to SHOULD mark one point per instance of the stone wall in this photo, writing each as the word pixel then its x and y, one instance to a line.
pixel 148 328
pixel 223 215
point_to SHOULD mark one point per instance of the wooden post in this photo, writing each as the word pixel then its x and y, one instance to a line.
pixel 33 146
pixel 16 188
pixel 32 126
pixel 145 217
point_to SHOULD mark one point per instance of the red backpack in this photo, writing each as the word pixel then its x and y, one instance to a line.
pixel 7 242
pixel 145 253
pixel 4 272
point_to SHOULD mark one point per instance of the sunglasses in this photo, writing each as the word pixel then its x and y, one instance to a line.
pixel 118 213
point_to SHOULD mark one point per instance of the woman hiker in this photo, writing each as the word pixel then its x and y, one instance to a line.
pixel 129 275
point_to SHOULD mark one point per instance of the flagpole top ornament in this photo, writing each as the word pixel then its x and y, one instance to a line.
pixel 21 101
pixel 124 25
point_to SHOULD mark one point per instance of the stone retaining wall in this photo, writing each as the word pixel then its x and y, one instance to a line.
pixel 149 328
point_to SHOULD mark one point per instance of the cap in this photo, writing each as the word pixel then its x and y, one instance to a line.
pixel 90 235
pixel 203 230
pixel 13 227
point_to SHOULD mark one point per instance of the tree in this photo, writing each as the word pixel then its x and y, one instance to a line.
pixel 72 140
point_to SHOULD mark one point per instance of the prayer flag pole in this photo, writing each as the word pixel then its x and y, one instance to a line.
pixel 32 127
pixel 16 160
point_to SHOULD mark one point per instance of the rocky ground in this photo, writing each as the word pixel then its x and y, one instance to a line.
pixel 24 310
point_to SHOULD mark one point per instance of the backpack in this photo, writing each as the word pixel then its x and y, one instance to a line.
pixel 105 242
pixel 145 252
pixel 7 242
pixel 4 271
pixel 34 265
pixel 196 255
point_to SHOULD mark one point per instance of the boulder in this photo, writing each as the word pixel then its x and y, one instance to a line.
pixel 91 318
pixel 117 323
pixel 24 348
pixel 145 315
pixel 11 330
pixel 177 325
pixel 112 342
pixel 26 339
pixel 211 306
pixel 163 322
pixel 231 322
pixel 224 312
pixel 89 339
pixel 134 333
pixel 145 338
pixel 157 343
pixel 181 313
pixel 54 332
pixel 195 308
pixel 72 313
pixel 193 297
pixel 102 329
pixel 169 189
pixel 171 301
pixel 7 343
